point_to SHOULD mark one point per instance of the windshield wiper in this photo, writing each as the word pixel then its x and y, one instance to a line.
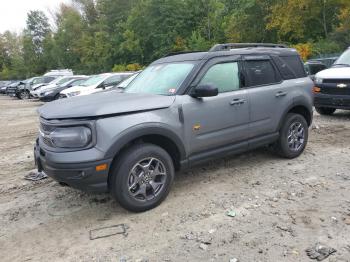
pixel 346 65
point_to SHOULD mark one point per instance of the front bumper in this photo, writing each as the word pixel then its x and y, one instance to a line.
pixel 48 98
pixel 332 101
pixel 82 175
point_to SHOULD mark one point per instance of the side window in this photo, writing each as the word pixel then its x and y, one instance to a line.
pixel 224 76
pixel 113 80
pixel 261 72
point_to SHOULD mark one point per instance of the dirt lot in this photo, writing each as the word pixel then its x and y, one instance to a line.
pixel 281 206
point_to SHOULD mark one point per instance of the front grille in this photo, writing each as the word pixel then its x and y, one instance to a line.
pixel 46 128
pixel 335 91
pixel 336 81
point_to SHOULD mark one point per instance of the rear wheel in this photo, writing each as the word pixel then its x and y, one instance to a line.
pixel 142 177
pixel 293 138
pixel 325 110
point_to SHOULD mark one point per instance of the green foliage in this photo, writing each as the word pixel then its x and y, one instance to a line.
pixel 93 36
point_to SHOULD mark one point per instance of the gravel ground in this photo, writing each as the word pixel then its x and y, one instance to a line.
pixel 279 207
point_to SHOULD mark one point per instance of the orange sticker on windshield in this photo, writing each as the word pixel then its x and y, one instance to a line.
pixel 172 90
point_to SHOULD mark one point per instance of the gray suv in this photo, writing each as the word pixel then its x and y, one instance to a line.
pixel 182 110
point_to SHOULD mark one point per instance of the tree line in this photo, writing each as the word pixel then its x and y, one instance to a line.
pixel 94 36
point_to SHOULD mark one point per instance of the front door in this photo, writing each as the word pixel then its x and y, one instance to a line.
pixel 214 122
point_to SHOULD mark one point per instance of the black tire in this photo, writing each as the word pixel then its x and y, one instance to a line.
pixel 283 145
pixel 24 95
pixel 325 110
pixel 119 182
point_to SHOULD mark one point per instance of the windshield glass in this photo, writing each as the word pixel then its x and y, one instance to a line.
pixel 162 79
pixel 93 80
pixel 344 59
pixel 63 80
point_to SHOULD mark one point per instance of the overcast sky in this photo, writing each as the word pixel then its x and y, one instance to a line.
pixel 13 13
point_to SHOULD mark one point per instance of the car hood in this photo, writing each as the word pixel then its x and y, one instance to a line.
pixel 103 104
pixel 77 88
pixel 48 87
pixel 334 72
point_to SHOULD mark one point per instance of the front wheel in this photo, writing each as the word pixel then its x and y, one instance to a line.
pixel 24 95
pixel 325 110
pixel 293 138
pixel 142 177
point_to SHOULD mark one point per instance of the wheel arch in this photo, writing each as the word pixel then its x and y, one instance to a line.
pixel 301 109
pixel 160 136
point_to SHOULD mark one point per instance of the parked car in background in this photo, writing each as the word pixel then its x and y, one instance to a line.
pixel 127 81
pixel 11 89
pixel 332 86
pixel 53 93
pixel 4 85
pixel 22 91
pixel 327 61
pixel 312 67
pixel 36 92
pixel 96 84
pixel 180 111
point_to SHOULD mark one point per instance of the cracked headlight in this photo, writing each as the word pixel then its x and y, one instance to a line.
pixel 71 137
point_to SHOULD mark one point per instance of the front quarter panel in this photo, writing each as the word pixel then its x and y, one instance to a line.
pixel 115 132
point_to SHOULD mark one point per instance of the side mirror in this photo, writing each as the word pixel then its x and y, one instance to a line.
pixel 205 91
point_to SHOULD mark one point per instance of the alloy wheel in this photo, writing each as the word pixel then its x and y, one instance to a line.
pixel 146 179
pixel 296 136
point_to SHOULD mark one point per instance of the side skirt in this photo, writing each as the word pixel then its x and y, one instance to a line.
pixel 228 150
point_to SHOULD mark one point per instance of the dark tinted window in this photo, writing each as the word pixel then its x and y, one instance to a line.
pixel 261 72
pixel 290 66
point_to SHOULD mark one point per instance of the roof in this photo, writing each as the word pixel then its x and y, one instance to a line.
pixel 196 56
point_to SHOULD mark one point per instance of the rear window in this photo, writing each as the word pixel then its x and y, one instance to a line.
pixel 261 72
pixel 290 66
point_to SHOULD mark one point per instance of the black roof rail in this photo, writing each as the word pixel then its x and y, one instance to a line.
pixel 181 53
pixel 229 46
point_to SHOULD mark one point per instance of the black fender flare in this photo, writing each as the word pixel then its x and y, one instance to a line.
pixel 302 102
pixel 141 130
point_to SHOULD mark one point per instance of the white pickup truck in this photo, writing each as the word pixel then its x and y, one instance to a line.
pixel 332 86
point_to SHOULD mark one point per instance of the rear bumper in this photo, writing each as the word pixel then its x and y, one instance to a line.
pixel 332 101
pixel 82 176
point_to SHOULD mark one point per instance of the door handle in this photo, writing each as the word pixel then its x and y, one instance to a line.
pixel 237 102
pixel 280 94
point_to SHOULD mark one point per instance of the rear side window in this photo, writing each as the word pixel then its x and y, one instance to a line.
pixel 223 76
pixel 261 72
pixel 290 66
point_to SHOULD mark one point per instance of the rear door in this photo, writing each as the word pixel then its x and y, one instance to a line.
pixel 218 121
pixel 267 93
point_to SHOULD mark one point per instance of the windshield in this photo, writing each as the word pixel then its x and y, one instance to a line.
pixel 93 80
pixel 162 79
pixel 344 59
pixel 63 80
pixel 126 82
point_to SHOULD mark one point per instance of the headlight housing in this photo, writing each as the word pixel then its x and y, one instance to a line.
pixel 70 137
pixel 318 80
